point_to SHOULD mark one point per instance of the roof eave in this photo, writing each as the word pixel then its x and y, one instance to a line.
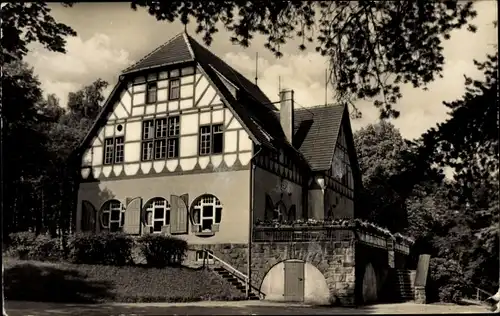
pixel 94 126
pixel 158 66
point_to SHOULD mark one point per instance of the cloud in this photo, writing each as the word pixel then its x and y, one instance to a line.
pixel 420 110
pixel 111 35
pixel 84 62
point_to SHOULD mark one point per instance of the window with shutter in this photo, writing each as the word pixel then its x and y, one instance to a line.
pixel 156 215
pixel 132 221
pixel 112 216
pixel 178 215
pixel 206 215
pixel 89 214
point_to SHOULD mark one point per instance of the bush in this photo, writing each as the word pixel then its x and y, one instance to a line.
pixel 45 248
pixel 161 251
pixel 20 244
pixel 103 248
pixel 28 246
pixel 446 281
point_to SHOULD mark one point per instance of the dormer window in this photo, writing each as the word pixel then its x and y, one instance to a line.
pixel 151 93
pixel 174 89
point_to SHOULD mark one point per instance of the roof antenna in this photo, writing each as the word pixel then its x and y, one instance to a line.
pixel 326 87
pixel 256 67
pixel 279 85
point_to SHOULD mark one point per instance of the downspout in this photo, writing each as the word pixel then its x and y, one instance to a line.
pixel 250 226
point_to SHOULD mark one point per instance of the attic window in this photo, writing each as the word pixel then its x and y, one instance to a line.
pixel 174 89
pixel 151 93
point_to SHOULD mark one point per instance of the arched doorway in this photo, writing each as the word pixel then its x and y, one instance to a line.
pixel 295 281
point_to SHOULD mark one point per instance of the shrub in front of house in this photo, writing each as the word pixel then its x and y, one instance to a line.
pixel 45 248
pixel 161 251
pixel 102 248
pixel 29 246
pixel 20 244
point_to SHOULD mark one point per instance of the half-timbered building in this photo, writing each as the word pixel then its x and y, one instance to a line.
pixel 187 146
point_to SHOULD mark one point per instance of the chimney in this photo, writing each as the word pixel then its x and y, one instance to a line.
pixel 286 113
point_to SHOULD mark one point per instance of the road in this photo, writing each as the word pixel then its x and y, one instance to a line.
pixel 17 308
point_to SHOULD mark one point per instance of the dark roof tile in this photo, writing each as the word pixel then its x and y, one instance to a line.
pixel 176 50
pixel 315 133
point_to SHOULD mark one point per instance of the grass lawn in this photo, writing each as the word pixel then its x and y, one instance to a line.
pixel 70 283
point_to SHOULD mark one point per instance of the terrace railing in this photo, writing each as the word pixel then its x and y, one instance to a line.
pixel 302 233
pixel 328 233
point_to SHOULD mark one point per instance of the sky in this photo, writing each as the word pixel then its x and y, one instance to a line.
pixel 111 36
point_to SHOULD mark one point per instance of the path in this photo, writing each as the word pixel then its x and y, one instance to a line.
pixel 17 308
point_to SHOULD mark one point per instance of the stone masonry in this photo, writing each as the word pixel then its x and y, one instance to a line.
pixel 334 259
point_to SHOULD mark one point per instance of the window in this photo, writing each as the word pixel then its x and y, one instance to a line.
pixel 211 139
pixel 157 214
pixel 173 137
pixel 174 89
pixel 202 256
pixel 207 212
pixel 113 147
pixel 108 151
pixel 112 216
pixel 151 92
pixel 217 139
pixel 205 140
pixel 119 149
pixel 160 138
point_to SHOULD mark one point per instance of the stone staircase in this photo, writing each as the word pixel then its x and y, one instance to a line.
pixel 234 281
pixel 404 285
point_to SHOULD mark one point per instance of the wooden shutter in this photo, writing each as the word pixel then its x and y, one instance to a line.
pixel 88 223
pixel 132 224
pixel 178 215
pixel 185 198
pixel 101 227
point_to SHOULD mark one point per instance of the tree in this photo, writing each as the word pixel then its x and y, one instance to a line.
pixel 373 46
pixel 22 111
pixel 380 148
pixel 27 22
pixel 468 142
pixel 23 143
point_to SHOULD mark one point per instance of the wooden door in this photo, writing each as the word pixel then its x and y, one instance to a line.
pixel 294 281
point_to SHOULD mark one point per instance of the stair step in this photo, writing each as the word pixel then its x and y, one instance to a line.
pixel 235 282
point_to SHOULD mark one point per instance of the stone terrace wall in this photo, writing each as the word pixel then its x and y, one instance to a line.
pixel 334 259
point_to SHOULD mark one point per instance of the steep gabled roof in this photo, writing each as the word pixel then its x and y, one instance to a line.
pixel 251 105
pixel 175 51
pixel 315 133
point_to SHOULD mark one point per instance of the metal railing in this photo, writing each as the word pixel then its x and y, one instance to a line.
pixel 229 268
pixel 302 233
pixel 482 293
pixel 226 265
